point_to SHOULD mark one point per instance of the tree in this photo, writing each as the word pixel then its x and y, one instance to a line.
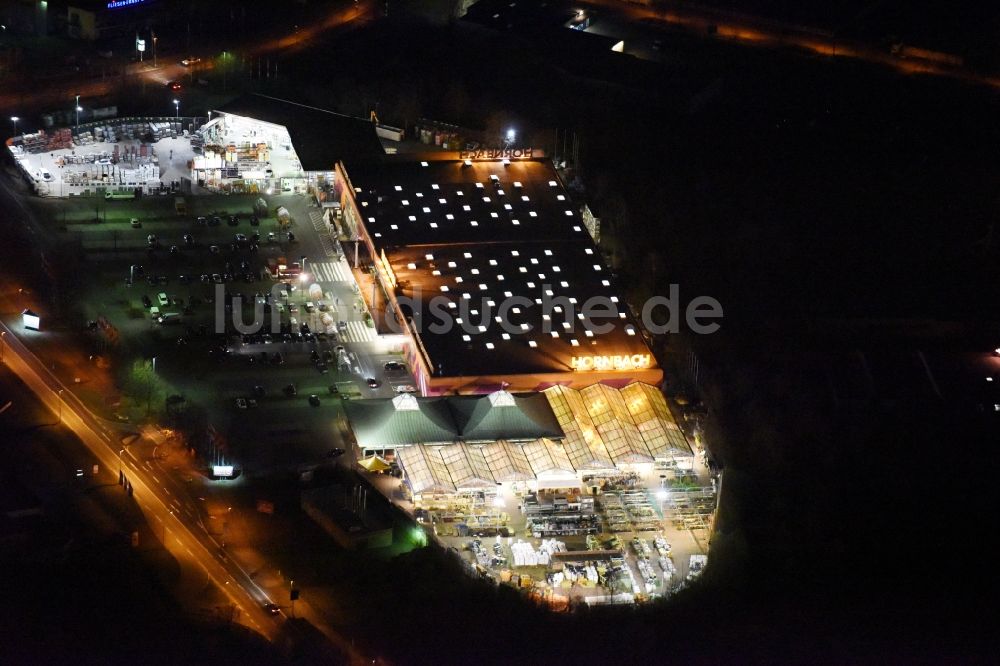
pixel 142 383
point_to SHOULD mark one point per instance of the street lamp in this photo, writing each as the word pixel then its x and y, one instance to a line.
pixel 59 393
pixel 78 110
pixel 177 108
pixel 511 135
pixel 120 452
pixel 13 120
pixel 3 343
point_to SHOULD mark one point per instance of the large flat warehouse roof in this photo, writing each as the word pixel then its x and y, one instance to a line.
pixel 503 250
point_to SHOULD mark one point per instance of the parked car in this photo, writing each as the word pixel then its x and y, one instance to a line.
pixel 372 383
pixel 169 318
pixel 135 223
pixel 314 400
pixel 162 299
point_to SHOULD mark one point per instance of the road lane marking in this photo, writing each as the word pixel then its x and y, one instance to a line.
pixel 154 478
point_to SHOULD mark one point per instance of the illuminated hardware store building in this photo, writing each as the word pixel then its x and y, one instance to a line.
pixel 492 243
pixel 258 143
pixel 454 444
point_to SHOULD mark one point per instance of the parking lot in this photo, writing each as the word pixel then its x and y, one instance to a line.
pixel 164 285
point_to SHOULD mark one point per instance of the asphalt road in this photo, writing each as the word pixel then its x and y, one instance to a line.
pixel 157 494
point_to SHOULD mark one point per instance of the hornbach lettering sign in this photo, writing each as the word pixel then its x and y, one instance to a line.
pixel 495 153
pixel 606 363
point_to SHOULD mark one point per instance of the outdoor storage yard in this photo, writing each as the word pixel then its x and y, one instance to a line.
pixel 148 155
pixel 640 537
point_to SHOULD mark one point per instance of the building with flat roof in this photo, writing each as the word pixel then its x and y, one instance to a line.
pixel 489 272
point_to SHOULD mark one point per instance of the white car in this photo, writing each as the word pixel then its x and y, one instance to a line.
pixel 162 298
pixel 46 176
pixel 405 388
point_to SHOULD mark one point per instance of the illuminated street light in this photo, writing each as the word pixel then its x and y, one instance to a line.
pixel 177 108
pixel 3 343
pixel 78 110
pixel 13 120
pixel 511 135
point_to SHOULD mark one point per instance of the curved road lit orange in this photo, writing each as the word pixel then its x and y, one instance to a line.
pixel 753 31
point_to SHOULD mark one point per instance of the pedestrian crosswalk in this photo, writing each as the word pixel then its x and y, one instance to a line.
pixel 357 331
pixel 323 233
pixel 330 271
